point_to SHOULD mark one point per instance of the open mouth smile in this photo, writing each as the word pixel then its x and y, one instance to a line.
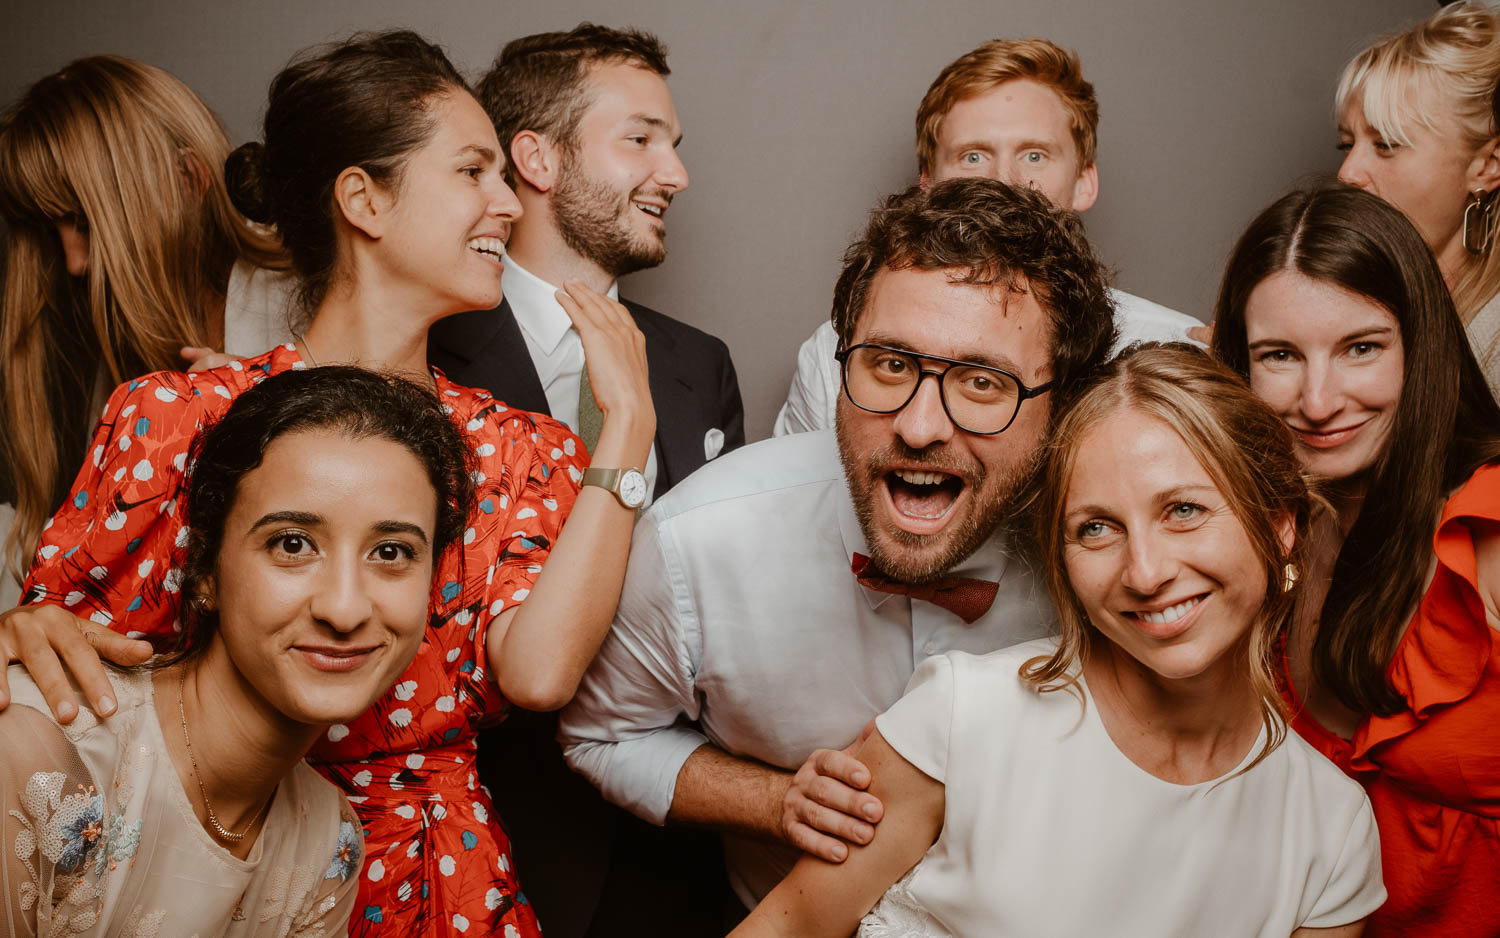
pixel 921 500
pixel 1169 621
pixel 491 248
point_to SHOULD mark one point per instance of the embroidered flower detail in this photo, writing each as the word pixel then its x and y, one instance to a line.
pixel 120 844
pixel 346 855
pixel 80 824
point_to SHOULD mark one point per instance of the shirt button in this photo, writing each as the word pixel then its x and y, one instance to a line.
pixel 929 649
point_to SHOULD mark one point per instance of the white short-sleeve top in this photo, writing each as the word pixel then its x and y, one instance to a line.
pixel 1050 830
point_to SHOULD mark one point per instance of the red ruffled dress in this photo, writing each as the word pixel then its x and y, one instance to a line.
pixel 1432 770
pixel 437 861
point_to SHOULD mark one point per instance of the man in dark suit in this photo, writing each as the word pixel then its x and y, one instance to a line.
pixel 591 136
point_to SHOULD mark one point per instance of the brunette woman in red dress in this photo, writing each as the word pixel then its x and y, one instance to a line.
pixel 383 177
pixel 1336 311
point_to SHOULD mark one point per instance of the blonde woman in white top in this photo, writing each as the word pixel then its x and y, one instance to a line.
pixel 1134 776
pixel 1416 121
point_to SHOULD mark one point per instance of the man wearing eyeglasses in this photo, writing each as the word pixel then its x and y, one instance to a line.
pixel 783 595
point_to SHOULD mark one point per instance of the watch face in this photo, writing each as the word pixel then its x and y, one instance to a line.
pixel 632 489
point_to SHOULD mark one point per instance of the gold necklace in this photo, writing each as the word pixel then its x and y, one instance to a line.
pixel 213 821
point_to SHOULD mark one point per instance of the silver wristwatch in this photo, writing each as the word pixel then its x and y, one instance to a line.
pixel 628 485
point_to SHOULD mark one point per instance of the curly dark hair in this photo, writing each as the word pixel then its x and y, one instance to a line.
pixel 537 82
pixel 986 232
pixel 357 403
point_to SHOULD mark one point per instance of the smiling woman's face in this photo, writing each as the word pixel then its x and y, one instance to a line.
pixel 1330 363
pixel 324 572
pixel 1154 552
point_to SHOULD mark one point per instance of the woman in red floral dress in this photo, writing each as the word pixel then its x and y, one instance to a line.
pixel 382 175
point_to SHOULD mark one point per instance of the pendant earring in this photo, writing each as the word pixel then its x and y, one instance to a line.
pixel 1479 222
pixel 1288 577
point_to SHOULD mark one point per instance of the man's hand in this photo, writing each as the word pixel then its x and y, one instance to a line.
pixel 45 639
pixel 826 807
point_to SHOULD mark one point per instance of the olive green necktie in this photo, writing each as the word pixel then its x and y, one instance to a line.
pixel 590 420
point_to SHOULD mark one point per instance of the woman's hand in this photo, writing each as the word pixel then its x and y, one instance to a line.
pixel 615 354
pixel 202 358
pixel 46 638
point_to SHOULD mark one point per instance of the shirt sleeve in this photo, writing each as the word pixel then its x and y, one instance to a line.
pixel 624 730
pixel 919 725
pixel 1354 888
pixel 110 552
pixel 809 404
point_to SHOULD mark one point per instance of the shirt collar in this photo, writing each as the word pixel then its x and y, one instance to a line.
pixel 988 562
pixel 534 303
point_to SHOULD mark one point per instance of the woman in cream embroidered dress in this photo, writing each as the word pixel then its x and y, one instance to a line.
pixel 320 503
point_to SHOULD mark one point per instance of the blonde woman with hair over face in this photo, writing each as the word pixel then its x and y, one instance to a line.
pixel 1417 124
pixel 123 249
pixel 1134 776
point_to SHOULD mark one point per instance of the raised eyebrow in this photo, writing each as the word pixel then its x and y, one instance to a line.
pixel 401 527
pixel 1369 333
pixel 304 518
pixel 482 152
pixel 656 123
pixel 982 359
pixel 1181 492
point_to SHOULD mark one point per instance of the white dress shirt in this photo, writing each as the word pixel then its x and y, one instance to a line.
pixel 555 348
pixel 814 395
pixel 740 611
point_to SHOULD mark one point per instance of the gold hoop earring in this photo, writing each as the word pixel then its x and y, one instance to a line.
pixel 1288 577
pixel 1479 222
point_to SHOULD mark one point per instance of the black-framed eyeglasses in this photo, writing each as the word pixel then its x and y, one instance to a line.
pixel 977 398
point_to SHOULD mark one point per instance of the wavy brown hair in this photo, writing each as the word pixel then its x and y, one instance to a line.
pixel 128 150
pixel 1247 452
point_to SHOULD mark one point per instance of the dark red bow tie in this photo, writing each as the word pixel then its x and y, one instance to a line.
pixel 964 596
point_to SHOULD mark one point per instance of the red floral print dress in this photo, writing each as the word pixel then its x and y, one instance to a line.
pixel 437 861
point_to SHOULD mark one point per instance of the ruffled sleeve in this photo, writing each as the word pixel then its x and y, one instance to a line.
pixel 1443 655
pixel 108 554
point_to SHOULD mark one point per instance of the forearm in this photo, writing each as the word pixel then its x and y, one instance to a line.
pixel 539 651
pixel 718 790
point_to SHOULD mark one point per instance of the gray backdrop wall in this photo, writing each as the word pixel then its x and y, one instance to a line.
pixel 797 117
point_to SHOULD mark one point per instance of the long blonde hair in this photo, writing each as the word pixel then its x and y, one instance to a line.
pixel 130 150
pixel 1247 452
pixel 1440 74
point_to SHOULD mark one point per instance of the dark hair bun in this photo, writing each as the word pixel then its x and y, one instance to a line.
pixel 245 175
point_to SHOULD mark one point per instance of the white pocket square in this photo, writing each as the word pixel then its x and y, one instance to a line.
pixel 713 443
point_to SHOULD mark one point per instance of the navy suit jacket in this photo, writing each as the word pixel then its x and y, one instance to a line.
pixel 693 384
pixel 562 831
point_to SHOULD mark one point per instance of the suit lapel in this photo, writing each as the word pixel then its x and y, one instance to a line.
pixel 677 426
pixel 485 349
